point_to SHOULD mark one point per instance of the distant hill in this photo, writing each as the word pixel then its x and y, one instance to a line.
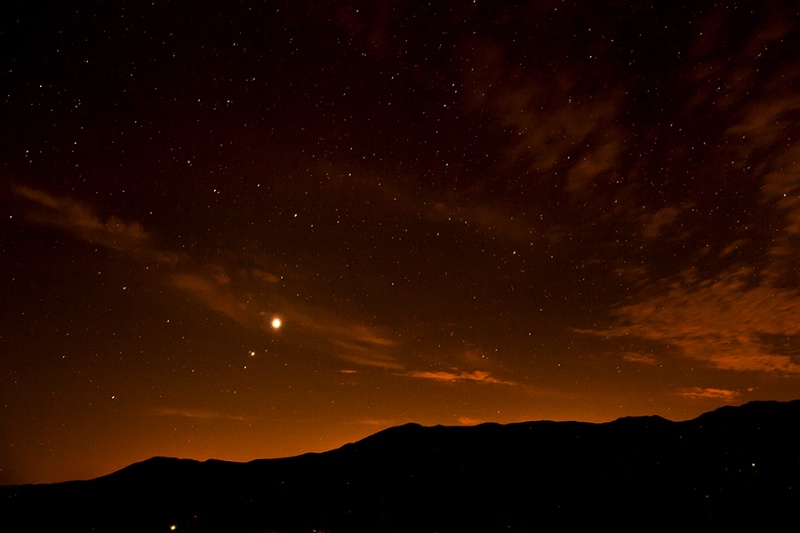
pixel 732 469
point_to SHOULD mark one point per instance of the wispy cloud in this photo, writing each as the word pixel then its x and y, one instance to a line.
pixel 761 122
pixel 731 322
pixel 216 296
pixel 349 340
pixel 264 276
pixel 79 220
pixel 697 393
pixel 744 319
pixel 727 76
pixel 196 414
pixel 593 163
pixel 245 295
pixel 655 222
pixel 640 358
pixel 361 357
pixel 385 423
pixel 455 375
pixel 781 191
pixel 551 126
pixel 345 339
pixel 485 217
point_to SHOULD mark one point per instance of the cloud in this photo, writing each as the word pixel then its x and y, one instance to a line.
pixel 379 423
pixel 591 165
pixel 640 358
pixel 781 193
pixel 375 360
pixel 75 217
pixel 486 217
pixel 769 116
pixel 346 339
pixel 264 276
pixel 550 119
pixel 731 322
pixel 349 340
pixel 216 297
pixel 548 128
pixel 758 117
pixel 245 295
pixel 728 75
pixel 81 221
pixel 700 393
pixel 659 219
pixel 195 414
pixel 455 375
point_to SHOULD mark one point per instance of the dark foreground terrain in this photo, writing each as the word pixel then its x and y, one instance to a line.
pixel 733 469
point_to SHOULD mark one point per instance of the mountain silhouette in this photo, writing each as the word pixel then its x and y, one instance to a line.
pixel 732 469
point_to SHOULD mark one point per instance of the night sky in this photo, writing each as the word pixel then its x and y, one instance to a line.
pixel 458 211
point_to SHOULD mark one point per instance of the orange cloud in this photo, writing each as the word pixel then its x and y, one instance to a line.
pixel 456 375
pixel 79 220
pixel 223 290
pixel 216 297
pixel 380 423
pixel 549 123
pixel 764 122
pixel 727 77
pixel 730 322
pixel 196 414
pixel 264 276
pixel 375 360
pixel 547 131
pixel 697 393
pixel 487 218
pixel 641 358
pixel 781 189
pixel 654 223
pixel 349 340
pixel 592 164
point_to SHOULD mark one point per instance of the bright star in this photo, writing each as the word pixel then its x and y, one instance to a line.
pixel 276 323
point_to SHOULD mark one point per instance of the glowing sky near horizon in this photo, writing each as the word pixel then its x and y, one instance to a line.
pixel 256 229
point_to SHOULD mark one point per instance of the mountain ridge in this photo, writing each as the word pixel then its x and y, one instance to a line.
pixel 734 467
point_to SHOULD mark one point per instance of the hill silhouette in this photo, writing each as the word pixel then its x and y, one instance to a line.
pixel 733 469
